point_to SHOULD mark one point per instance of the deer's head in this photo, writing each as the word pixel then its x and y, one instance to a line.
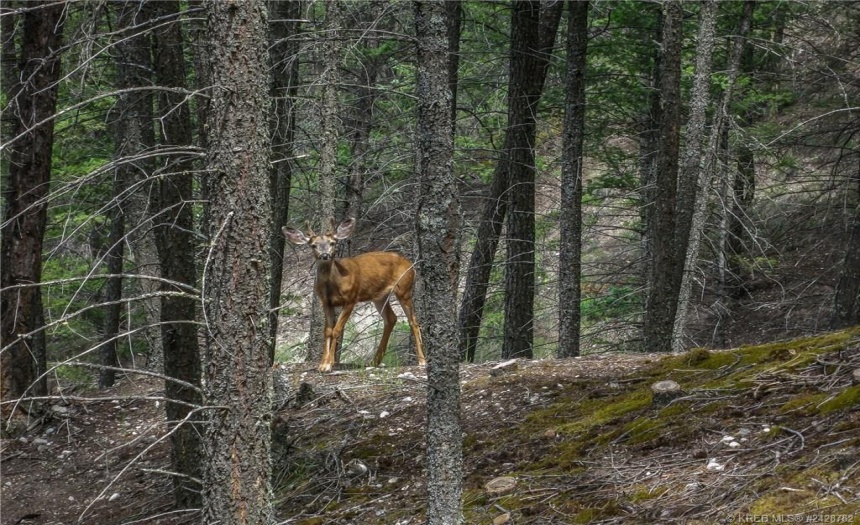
pixel 324 246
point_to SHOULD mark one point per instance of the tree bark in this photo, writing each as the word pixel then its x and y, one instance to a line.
pixel 523 96
pixel 570 245
pixel 691 163
pixel 330 130
pixel 285 81
pixel 663 293
pixel 237 470
pixel 28 146
pixel 176 245
pixel 437 202
pixel 689 236
pixel 529 60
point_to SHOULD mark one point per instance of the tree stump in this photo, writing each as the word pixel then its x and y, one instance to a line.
pixel 663 392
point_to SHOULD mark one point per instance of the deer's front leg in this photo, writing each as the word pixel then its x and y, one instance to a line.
pixel 329 342
pixel 338 327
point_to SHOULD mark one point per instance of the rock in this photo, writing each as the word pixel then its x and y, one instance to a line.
pixel 855 376
pixel 60 410
pixel 500 486
pixel 501 519
pixel 355 468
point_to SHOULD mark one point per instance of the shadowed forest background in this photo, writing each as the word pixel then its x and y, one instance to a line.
pixel 570 178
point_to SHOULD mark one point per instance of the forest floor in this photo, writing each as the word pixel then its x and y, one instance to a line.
pixel 760 434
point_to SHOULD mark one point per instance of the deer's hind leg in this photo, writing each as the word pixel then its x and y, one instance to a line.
pixel 389 319
pixel 405 300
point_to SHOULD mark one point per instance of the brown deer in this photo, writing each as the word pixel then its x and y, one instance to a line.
pixel 367 277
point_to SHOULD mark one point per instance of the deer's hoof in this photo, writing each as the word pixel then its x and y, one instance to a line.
pixel 325 367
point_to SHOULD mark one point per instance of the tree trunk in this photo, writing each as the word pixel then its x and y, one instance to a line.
pixel 129 122
pixel 689 239
pixel 846 302
pixel 237 470
pixel 648 145
pixel 327 172
pixel 523 96
pixel 359 122
pixel 692 166
pixel 529 60
pixel 453 243
pixel 28 148
pixel 176 247
pixel 663 293
pixel 285 81
pixel 570 245
pixel 113 288
pixel 437 202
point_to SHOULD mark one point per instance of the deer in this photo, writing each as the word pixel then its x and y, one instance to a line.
pixel 345 282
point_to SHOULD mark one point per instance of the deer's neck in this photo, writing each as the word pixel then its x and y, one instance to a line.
pixel 330 271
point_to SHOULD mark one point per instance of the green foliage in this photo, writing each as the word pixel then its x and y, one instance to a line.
pixel 617 301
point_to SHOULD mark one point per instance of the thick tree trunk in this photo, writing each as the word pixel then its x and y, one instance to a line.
pixel 237 470
pixel 437 202
pixel 176 247
pixel 570 245
pixel 523 95
pixel 28 149
pixel 285 80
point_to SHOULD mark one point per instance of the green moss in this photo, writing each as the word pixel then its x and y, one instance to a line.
pixel 848 398
pixel 644 429
pixel 803 404
pixel 601 411
pixel 641 492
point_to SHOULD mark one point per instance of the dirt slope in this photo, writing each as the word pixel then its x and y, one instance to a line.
pixel 763 432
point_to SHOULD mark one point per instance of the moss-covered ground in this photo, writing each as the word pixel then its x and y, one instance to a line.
pixel 759 433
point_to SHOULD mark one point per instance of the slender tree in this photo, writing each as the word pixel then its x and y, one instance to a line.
pixel 691 165
pixel 175 242
pixel 30 81
pixel 846 302
pixel 437 202
pixel 528 67
pixel 327 171
pixel 662 301
pixel 570 245
pixel 699 163
pixel 132 116
pixel 284 34
pixel 237 469
pixel 358 121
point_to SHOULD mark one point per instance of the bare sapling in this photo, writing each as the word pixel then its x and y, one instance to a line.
pixel 373 276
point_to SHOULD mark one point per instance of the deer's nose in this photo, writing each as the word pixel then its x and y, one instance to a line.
pixel 325 256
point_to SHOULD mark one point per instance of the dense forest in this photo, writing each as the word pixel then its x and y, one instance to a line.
pixel 563 178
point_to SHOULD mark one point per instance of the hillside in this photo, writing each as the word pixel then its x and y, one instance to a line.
pixel 762 431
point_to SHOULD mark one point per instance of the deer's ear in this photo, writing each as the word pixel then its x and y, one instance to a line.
pixel 295 236
pixel 345 229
